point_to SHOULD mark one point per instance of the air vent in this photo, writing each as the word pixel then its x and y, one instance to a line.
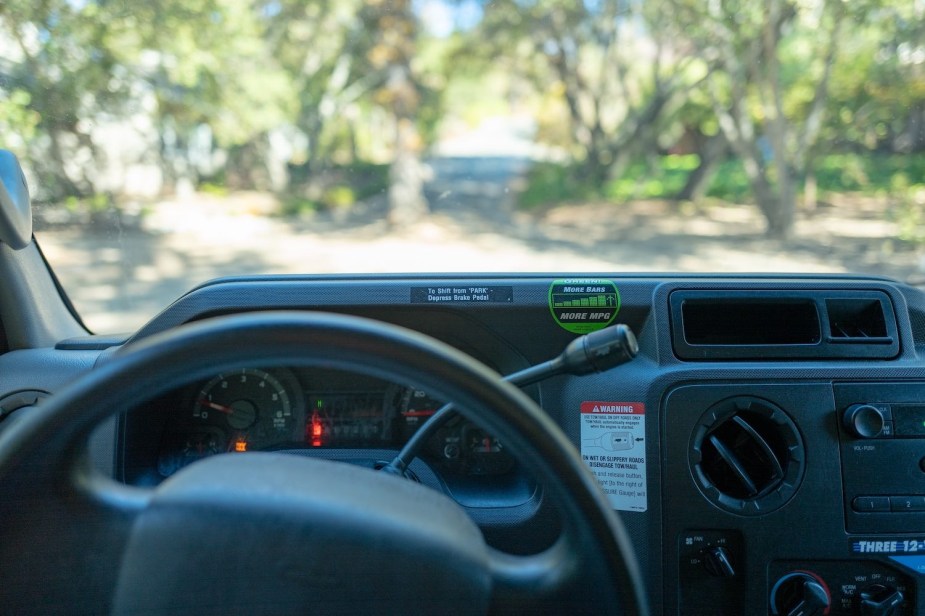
pixel 747 456
pixel 782 324
pixel 857 320
pixel 750 321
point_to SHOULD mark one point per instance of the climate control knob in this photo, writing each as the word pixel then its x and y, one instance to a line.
pixel 717 562
pixel 864 420
pixel 880 600
pixel 800 594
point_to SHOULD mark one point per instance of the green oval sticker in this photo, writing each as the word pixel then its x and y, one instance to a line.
pixel 583 305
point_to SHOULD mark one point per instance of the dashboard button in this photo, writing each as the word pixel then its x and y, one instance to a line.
pixel 887 429
pixel 885 410
pixel 907 503
pixel 864 421
pixel 870 504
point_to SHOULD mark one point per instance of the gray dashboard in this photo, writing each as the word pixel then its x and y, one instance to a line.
pixel 744 466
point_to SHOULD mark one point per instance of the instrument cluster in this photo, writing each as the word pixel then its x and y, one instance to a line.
pixel 256 409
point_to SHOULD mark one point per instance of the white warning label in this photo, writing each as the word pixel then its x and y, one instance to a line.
pixel 613 445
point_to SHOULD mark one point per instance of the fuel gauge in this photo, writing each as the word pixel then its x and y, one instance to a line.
pixel 485 454
pixel 415 406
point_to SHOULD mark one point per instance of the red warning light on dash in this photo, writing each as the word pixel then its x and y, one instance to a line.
pixel 613 408
pixel 314 430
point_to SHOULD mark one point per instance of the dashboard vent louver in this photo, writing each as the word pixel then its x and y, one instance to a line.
pixel 740 460
pixel 857 320
pixel 765 324
pixel 747 456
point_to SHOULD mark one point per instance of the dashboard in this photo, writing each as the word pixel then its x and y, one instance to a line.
pixel 764 449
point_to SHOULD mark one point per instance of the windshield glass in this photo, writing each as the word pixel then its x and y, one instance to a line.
pixel 170 142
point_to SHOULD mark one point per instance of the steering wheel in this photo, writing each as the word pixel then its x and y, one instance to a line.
pixel 277 533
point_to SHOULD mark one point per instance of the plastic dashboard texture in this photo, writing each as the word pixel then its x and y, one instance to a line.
pixel 808 531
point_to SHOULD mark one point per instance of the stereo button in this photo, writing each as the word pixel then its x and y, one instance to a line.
pixel 887 429
pixel 871 504
pixel 907 503
pixel 865 421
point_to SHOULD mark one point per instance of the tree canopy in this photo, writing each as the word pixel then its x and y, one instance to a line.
pixel 263 93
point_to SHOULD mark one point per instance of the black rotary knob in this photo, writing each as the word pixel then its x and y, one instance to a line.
pixel 717 562
pixel 880 600
pixel 800 594
pixel 864 420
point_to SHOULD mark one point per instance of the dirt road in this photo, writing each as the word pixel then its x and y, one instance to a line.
pixel 122 274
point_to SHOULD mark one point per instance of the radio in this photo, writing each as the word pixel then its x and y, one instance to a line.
pixel 882 443
pixel 878 420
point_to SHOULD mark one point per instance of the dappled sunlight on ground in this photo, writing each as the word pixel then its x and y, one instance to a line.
pixel 121 276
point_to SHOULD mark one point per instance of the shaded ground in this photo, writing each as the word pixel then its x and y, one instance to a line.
pixel 123 273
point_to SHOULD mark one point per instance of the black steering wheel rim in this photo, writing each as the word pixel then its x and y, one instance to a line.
pixel 50 441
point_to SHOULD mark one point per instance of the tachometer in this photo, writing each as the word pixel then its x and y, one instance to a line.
pixel 245 400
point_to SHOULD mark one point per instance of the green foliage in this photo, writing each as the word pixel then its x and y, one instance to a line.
pixel 550 184
pixel 730 183
pixel 338 187
pixel 213 188
pixel 18 122
pixel 612 84
pixel 898 176
pixel 910 214
pixel 641 181
pixel 338 197
pixel 93 204
pixel 367 179
pixel 295 205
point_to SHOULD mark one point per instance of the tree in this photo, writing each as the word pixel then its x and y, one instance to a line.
pixel 746 43
pixel 877 100
pixel 393 28
pixel 83 63
pixel 318 44
pixel 63 71
pixel 208 65
pixel 619 77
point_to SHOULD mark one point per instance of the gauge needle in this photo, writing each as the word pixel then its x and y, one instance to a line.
pixel 418 413
pixel 217 407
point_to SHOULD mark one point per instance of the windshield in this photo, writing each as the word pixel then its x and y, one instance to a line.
pixel 170 142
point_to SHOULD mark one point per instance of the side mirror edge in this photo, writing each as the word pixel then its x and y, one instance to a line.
pixel 15 203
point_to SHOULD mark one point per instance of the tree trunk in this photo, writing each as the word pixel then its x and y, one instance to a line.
pixel 777 205
pixel 395 46
pixel 695 187
pixel 407 203
pixel 247 167
pixel 810 186
pixel 66 184
pixel 593 171
pixel 778 210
